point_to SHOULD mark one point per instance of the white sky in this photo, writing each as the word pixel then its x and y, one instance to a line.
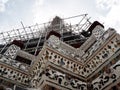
pixel 30 12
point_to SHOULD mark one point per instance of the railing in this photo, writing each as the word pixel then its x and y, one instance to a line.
pixel 13 63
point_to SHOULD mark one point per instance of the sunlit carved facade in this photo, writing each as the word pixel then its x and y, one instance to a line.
pixel 59 57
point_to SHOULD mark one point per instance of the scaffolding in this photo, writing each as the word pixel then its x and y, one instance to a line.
pixel 34 36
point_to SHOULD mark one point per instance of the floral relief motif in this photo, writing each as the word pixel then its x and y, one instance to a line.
pixel 62 79
pixel 105 79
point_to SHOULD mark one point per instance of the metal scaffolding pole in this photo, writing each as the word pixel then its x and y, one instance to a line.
pixel 38 42
pixel 24 29
pixel 26 34
pixel 28 39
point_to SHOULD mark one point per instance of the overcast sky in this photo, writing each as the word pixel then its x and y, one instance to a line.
pixel 30 12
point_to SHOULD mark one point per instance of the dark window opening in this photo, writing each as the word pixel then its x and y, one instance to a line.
pixel 114 88
pixel 19 88
pixel 23 60
pixel 52 88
